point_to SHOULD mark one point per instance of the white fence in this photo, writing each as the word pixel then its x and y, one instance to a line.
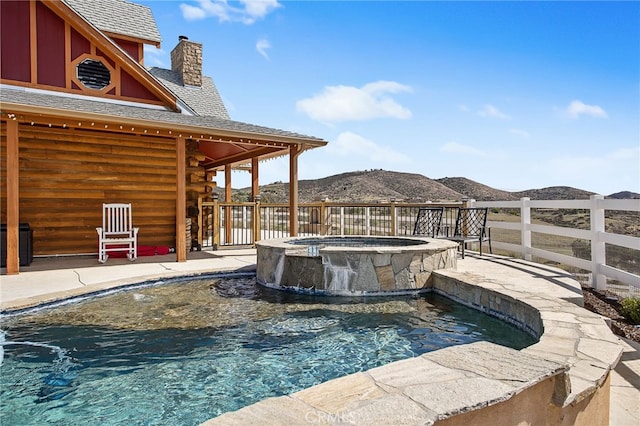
pixel 241 226
pixel 597 235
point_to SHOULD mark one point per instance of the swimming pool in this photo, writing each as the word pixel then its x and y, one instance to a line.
pixel 184 352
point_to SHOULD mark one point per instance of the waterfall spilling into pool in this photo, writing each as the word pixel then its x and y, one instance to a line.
pixel 354 265
pixel 184 352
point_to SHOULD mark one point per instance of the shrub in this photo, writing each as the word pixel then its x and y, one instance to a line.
pixel 631 309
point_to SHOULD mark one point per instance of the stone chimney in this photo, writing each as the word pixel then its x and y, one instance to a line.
pixel 186 60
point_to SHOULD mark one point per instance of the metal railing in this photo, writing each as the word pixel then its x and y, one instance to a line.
pixel 517 228
pixel 234 224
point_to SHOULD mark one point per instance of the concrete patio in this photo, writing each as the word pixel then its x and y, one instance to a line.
pixel 50 279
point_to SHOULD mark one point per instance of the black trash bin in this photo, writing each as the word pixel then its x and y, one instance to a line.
pixel 25 243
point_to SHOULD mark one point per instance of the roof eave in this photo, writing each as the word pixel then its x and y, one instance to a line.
pixel 168 129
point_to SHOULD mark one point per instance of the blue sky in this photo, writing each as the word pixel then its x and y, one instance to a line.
pixel 514 95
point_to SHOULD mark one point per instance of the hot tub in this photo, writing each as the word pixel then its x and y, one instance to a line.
pixel 352 265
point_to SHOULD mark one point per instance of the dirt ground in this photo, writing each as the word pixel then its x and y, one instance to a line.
pixel 608 304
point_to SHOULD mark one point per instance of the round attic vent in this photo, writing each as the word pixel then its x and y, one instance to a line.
pixel 93 74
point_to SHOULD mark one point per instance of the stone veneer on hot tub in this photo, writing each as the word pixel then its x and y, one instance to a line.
pixel 352 265
pixel 561 380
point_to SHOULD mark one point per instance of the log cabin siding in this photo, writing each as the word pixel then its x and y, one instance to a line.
pixel 66 175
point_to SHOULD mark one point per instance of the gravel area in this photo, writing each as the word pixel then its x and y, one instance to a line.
pixel 607 304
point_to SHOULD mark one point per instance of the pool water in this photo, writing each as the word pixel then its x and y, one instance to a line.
pixel 181 353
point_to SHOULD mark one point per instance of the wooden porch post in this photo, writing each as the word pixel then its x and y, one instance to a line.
pixel 13 198
pixel 255 180
pixel 228 225
pixel 255 197
pixel 181 200
pixel 294 151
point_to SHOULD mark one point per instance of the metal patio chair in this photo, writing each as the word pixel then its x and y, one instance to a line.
pixel 117 232
pixel 471 226
pixel 428 221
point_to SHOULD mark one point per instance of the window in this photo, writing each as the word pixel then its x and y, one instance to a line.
pixel 93 74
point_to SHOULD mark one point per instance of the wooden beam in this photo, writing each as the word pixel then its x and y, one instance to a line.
pixel 68 70
pixel 33 42
pixel 13 198
pixel 293 190
pixel 227 183
pixel 181 201
pixel 228 219
pixel 255 180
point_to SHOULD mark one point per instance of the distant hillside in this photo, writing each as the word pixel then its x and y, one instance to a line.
pixel 381 185
pixel 475 190
pixel 554 193
pixel 364 186
pixel 625 195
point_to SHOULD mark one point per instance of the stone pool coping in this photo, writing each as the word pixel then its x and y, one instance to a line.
pixel 429 244
pixel 568 369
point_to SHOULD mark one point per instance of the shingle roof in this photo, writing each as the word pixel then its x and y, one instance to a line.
pixel 154 116
pixel 119 17
pixel 203 100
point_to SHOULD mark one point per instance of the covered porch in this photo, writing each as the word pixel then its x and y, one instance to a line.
pixel 62 157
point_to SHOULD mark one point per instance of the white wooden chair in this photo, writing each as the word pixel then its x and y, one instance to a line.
pixel 117 232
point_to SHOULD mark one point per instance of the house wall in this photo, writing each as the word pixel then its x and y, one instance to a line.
pixel 66 175
pixel 40 49
pixel 14 40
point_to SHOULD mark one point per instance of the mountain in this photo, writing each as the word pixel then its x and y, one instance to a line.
pixel 476 190
pixel 625 195
pixel 382 185
pixel 364 186
pixel 554 193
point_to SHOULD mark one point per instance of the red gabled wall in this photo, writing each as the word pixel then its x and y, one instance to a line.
pixel 42 61
pixel 15 61
pixel 132 48
pixel 131 87
pixel 50 47
pixel 79 44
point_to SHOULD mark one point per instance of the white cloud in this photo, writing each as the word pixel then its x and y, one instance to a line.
pixel 490 111
pixel 262 45
pixel 345 103
pixel 154 56
pixel 349 144
pixel 578 108
pixel 249 12
pixel 520 132
pixel 458 148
